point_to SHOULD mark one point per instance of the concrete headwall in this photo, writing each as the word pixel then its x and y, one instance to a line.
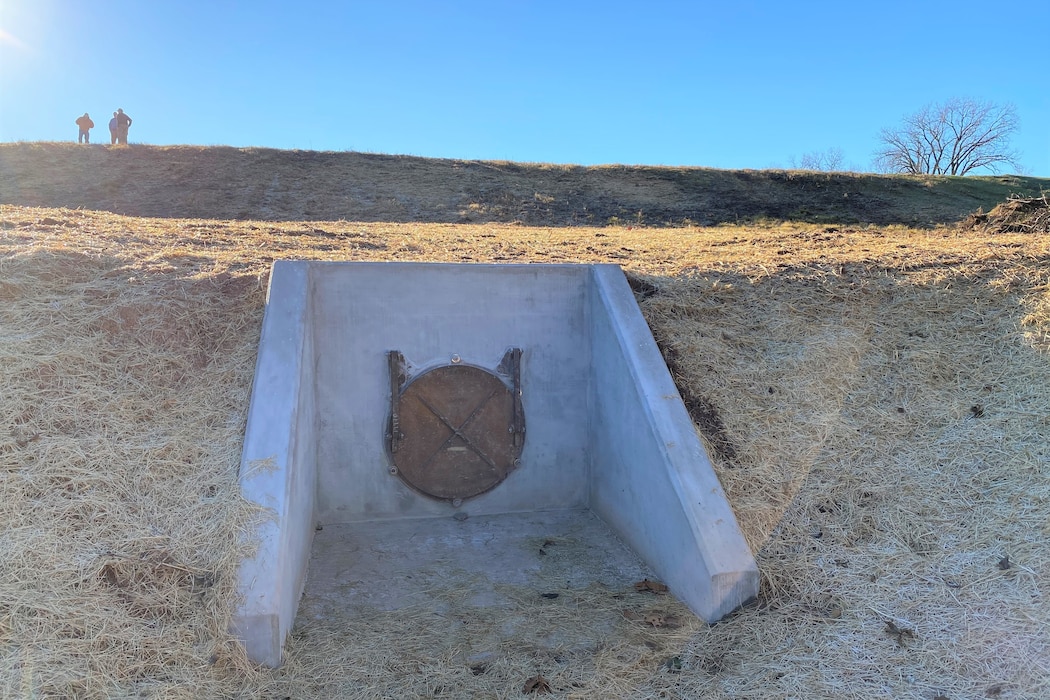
pixel 606 429
pixel 429 313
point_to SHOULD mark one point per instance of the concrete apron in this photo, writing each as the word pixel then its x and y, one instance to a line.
pixel 609 450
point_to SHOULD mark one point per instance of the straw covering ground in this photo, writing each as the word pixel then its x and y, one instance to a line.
pixel 876 400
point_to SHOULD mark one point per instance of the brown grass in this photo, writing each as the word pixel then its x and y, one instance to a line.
pixel 267 184
pixel 876 398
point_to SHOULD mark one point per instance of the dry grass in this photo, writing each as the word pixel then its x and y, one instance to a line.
pixel 877 400
pixel 273 185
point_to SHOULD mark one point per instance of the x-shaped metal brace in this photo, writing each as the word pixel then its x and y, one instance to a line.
pixel 456 432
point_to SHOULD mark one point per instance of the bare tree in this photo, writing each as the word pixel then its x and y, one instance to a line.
pixel 829 160
pixel 950 139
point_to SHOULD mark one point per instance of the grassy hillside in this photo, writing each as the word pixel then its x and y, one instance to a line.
pixel 266 184
pixel 875 399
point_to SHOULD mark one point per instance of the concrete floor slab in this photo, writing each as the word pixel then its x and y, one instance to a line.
pixel 489 568
pixel 396 564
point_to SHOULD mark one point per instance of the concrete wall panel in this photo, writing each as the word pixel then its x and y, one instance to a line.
pixel 429 313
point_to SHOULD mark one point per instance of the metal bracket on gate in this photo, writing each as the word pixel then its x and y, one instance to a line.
pixel 510 366
pixel 398 376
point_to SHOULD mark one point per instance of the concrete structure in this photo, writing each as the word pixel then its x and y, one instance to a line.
pixel 607 433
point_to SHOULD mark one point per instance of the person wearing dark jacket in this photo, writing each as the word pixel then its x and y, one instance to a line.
pixel 86 125
pixel 123 124
pixel 113 129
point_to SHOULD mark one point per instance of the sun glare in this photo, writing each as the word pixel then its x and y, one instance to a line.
pixel 24 21
pixel 9 39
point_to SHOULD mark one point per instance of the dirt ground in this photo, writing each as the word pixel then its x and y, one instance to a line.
pixel 875 398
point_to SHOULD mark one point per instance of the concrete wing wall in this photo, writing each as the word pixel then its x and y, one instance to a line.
pixel 278 467
pixel 651 478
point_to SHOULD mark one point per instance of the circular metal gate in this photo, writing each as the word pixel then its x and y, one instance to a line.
pixel 458 432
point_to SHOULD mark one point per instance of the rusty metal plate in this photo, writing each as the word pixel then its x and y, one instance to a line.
pixel 460 432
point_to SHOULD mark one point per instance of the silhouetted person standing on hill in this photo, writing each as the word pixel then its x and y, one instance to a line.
pixel 113 129
pixel 123 124
pixel 86 125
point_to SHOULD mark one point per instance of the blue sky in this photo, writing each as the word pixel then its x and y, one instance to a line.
pixel 733 84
